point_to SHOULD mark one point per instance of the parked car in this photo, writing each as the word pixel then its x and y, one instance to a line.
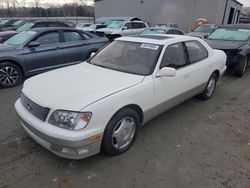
pixel 7 23
pixel 173 25
pixel 30 25
pixel 234 40
pixel 203 31
pixel 92 28
pixel 99 105
pixel 162 30
pixel 122 28
pixel 15 25
pixel 39 50
pixel 83 25
pixel 105 21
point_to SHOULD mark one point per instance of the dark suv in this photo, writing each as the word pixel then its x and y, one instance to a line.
pixel 5 35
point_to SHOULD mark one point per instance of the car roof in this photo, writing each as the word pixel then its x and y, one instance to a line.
pixel 129 21
pixel 158 39
pixel 236 26
pixel 161 28
pixel 39 21
pixel 42 29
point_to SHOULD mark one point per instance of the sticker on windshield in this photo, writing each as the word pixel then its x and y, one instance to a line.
pixel 150 46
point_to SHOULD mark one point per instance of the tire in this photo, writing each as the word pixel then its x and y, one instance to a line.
pixel 120 132
pixel 10 75
pixel 210 87
pixel 240 69
pixel 113 37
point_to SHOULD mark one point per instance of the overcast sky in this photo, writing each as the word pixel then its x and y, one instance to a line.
pixel 245 2
pixel 90 2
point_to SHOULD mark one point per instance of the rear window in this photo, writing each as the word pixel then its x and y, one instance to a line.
pixel 71 36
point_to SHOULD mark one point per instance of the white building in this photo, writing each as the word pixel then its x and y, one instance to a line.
pixel 182 12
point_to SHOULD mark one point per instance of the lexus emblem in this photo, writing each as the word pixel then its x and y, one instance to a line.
pixel 29 106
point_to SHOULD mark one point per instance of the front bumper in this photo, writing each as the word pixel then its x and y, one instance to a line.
pixel 66 148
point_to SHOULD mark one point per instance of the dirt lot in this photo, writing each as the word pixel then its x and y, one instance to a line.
pixel 197 144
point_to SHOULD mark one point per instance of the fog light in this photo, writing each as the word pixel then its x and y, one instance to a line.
pixel 82 151
pixel 69 151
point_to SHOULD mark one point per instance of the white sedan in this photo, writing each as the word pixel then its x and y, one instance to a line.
pixel 99 105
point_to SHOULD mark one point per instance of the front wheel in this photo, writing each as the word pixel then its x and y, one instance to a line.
pixel 10 75
pixel 120 132
pixel 210 88
pixel 241 67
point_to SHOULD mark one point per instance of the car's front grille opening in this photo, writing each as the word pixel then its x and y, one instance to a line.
pixel 34 108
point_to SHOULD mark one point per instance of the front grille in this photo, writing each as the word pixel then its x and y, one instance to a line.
pixel 35 109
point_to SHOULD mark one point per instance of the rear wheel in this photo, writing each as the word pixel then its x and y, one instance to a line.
pixel 120 132
pixel 241 67
pixel 10 75
pixel 210 88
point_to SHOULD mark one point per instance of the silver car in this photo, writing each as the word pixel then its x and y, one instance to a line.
pixel 122 28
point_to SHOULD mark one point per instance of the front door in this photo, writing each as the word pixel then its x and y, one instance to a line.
pixel 169 91
pixel 45 57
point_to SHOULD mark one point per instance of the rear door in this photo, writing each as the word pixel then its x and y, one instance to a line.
pixel 74 48
pixel 200 64
pixel 45 57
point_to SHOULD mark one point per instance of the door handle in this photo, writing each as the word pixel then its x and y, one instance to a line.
pixel 58 47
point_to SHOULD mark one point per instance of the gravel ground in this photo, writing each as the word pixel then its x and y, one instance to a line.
pixel 197 144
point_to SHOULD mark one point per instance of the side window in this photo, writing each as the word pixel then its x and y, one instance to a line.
pixel 87 37
pixel 196 51
pixel 138 25
pixel 71 36
pixel 55 24
pixel 170 31
pixel 174 57
pixel 48 38
pixel 39 25
pixel 177 32
pixel 128 26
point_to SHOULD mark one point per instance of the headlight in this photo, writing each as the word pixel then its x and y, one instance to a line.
pixel 70 120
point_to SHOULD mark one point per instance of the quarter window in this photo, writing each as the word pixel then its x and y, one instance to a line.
pixel 196 51
pixel 49 38
pixel 174 57
pixel 70 36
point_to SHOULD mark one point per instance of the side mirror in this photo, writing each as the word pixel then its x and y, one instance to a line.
pixel 167 72
pixel 124 28
pixel 205 36
pixel 92 54
pixel 33 44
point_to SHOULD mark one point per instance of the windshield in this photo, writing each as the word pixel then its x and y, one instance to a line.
pixel 205 29
pixel 25 27
pixel 130 57
pixel 115 25
pixel 152 31
pixel 18 22
pixel 20 38
pixel 230 34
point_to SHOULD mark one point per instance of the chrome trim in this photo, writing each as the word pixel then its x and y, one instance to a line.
pixel 167 105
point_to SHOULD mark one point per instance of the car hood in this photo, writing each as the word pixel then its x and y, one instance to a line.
pixel 225 45
pixel 5 33
pixel 197 34
pixel 5 47
pixel 107 30
pixel 75 87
